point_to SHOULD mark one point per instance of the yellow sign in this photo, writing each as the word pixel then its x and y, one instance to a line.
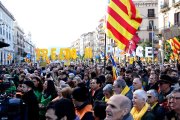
pixel 9 57
pixel 88 53
pixel 64 54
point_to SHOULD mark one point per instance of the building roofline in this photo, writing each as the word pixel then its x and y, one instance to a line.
pixel 6 11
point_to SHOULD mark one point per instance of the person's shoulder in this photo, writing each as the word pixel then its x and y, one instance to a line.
pixel 148 116
pixel 88 116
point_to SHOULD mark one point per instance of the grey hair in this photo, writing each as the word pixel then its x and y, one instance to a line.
pixel 153 92
pixel 108 88
pixel 141 94
pixel 77 78
pixel 120 83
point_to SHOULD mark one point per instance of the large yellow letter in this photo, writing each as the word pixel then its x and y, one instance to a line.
pixel 73 53
pixel 37 54
pixel 61 54
pixel 44 53
pixel 88 53
pixel 53 53
pixel 67 53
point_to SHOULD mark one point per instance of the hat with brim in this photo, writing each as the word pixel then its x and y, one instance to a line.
pixel 165 79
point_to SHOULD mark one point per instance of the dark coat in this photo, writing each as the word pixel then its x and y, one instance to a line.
pixel 129 95
pixel 128 117
pixel 155 87
pixel 148 116
pixel 98 95
pixel 159 112
pixel 88 116
pixel 31 102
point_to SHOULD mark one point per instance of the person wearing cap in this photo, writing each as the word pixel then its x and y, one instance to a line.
pixel 30 100
pixel 164 84
pixel 80 97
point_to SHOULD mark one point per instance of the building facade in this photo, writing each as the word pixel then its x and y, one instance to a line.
pixel 169 18
pixel 19 43
pixel 6 35
pixel 88 40
pixel 149 12
pixel 29 47
pixel 76 45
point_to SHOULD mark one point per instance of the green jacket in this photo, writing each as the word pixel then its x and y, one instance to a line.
pixel 38 95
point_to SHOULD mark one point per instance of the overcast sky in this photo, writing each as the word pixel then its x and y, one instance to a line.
pixel 56 23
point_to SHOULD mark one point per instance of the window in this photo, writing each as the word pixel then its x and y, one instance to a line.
pixel 151 24
pixel 177 18
pixel 151 13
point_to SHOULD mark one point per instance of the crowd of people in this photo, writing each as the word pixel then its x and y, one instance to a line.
pixel 91 92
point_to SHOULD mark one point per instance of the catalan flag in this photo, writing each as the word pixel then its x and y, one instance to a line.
pixel 113 67
pixel 175 46
pixel 122 21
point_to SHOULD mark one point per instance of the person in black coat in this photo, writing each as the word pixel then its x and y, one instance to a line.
pixel 96 90
pixel 153 78
pixel 156 109
pixel 30 100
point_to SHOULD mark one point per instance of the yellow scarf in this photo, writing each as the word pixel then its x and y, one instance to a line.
pixel 154 105
pixel 138 115
pixel 106 99
pixel 125 90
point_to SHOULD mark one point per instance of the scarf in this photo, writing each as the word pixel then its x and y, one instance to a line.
pixel 138 115
pixel 106 99
pixel 125 90
pixel 154 105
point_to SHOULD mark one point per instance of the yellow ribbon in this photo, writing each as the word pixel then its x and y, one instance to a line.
pixel 138 115
pixel 125 90
pixel 154 105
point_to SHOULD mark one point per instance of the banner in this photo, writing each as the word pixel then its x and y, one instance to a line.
pixel 64 54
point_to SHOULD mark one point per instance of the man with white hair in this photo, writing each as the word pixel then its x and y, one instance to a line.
pixel 140 110
pixel 118 108
pixel 157 110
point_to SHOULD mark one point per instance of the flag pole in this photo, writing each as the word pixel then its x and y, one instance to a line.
pixel 104 53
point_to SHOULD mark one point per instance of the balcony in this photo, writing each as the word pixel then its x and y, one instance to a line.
pixel 176 3
pixel 165 7
pixel 151 15
pixel 150 28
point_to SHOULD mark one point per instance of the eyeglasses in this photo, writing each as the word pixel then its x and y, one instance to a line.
pixel 149 96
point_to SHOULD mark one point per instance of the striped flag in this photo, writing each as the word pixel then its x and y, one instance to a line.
pixel 176 43
pixel 175 46
pixel 113 67
pixel 122 21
